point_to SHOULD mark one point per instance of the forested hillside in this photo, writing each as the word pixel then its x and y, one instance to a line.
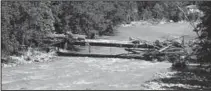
pixel 26 23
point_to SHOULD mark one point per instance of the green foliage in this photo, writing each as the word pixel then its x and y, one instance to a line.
pixel 22 22
pixel 161 10
pixel 85 16
pixel 203 49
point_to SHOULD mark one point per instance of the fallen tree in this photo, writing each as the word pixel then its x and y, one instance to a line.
pixel 170 50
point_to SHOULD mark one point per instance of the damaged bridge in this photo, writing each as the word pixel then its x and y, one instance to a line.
pixel 135 48
pixel 111 43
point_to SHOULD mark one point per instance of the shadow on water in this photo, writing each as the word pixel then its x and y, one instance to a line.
pixel 193 77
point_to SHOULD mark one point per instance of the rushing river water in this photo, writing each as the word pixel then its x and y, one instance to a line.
pixel 82 73
pixel 92 73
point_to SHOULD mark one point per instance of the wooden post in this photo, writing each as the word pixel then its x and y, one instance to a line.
pixel 183 41
pixel 59 46
pixel 57 49
pixel 65 45
pixel 89 49
pixel 110 50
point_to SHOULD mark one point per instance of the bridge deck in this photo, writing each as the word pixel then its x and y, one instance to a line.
pixel 111 43
pixel 127 56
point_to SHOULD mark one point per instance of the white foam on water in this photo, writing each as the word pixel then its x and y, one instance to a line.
pixel 23 72
pixel 35 77
pixel 8 81
pixel 119 85
pixel 40 88
pixel 43 66
pixel 82 82
pixel 159 86
pixel 138 75
pixel 95 65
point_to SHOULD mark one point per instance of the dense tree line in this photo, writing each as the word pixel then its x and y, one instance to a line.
pixel 203 48
pixel 164 10
pixel 25 21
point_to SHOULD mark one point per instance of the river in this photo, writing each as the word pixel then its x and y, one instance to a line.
pixel 81 73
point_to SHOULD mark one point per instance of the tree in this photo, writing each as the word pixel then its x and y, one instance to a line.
pixel 203 49
pixel 23 21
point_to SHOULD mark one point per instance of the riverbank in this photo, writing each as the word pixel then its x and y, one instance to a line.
pixel 194 77
pixel 29 56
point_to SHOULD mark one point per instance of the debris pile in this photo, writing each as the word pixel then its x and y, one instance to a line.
pixel 172 50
